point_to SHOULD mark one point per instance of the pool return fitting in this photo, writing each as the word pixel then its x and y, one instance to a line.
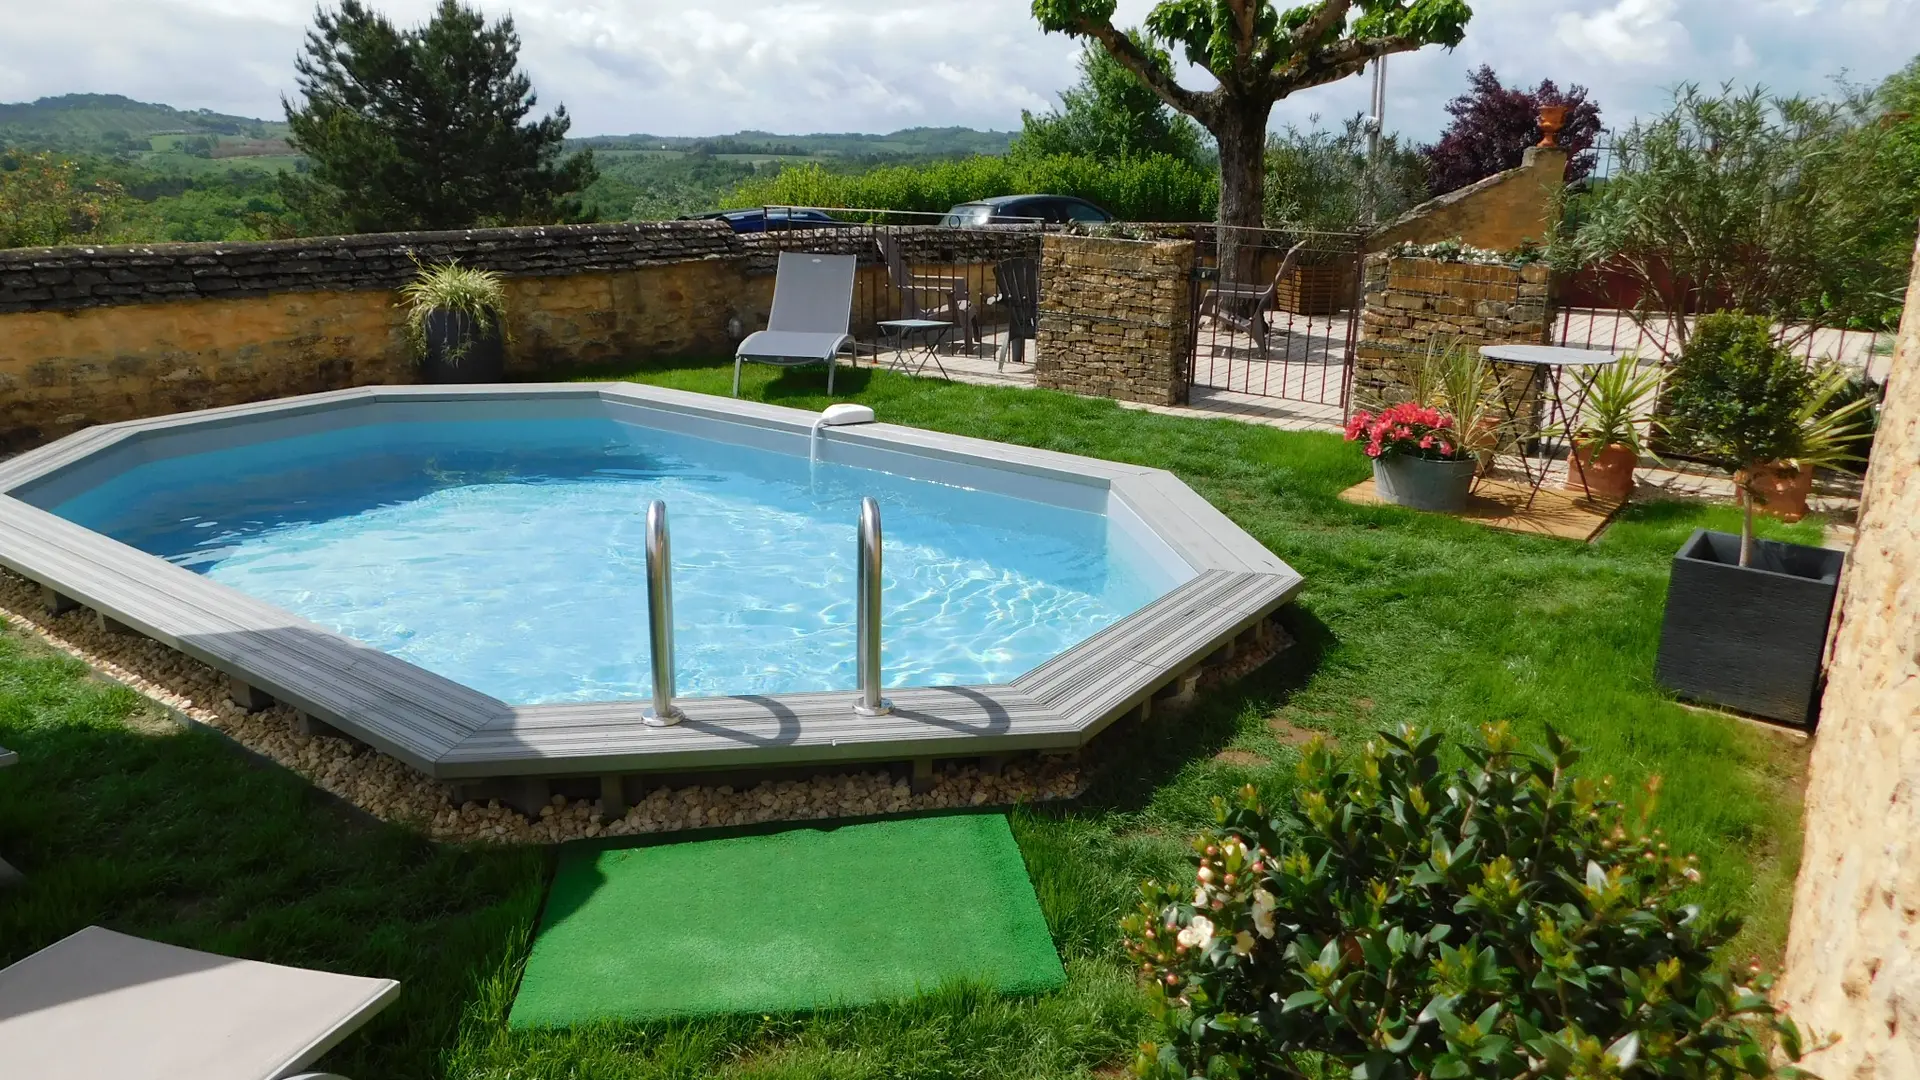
pixel 662 712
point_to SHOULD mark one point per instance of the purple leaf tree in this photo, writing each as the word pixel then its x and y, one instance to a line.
pixel 1494 124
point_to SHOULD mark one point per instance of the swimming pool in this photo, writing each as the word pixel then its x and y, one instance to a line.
pixel 454 575
pixel 508 555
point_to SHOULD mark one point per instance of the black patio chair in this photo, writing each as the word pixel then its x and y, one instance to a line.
pixel 1019 284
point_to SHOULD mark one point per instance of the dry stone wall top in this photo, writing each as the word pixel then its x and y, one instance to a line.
pixel 55 279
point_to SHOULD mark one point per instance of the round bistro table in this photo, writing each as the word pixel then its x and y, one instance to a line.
pixel 1552 433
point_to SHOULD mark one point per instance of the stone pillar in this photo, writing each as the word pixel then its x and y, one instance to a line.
pixel 1853 953
pixel 1115 318
pixel 1412 303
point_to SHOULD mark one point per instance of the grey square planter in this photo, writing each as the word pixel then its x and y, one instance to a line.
pixel 1748 638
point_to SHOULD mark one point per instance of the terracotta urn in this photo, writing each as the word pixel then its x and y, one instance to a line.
pixel 1552 119
pixel 1607 476
pixel 1779 491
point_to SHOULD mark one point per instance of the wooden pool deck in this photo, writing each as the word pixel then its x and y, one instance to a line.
pixel 452 732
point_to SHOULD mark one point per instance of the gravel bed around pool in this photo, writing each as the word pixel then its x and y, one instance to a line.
pixel 389 790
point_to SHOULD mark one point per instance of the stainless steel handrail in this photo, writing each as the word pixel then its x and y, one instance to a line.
pixel 662 712
pixel 867 614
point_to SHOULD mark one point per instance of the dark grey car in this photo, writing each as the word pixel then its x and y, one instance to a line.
pixel 1027 210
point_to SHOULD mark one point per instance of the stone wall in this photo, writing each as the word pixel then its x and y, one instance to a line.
pixel 1115 318
pixel 1411 303
pixel 1853 954
pixel 1502 212
pixel 95 335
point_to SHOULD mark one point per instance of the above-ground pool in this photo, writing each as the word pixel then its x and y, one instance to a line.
pixel 456 575
pixel 509 555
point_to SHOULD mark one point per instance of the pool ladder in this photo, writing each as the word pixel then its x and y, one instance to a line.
pixel 662 712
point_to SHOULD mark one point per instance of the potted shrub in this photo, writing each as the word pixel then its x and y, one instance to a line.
pixel 1607 444
pixel 1418 461
pixel 456 322
pixel 1835 429
pixel 1403 917
pixel 1457 380
pixel 1746 620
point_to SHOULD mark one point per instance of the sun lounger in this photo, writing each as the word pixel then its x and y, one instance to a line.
pixel 812 312
pixel 100 1005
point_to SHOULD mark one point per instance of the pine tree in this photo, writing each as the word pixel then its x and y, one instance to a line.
pixel 1110 114
pixel 424 128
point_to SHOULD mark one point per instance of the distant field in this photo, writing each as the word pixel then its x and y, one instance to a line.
pixel 188 165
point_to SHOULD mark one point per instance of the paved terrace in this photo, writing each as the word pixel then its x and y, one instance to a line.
pixel 1236 383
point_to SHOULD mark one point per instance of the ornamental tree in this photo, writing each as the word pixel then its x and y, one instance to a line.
pixel 1258 54
pixel 1493 125
pixel 1403 921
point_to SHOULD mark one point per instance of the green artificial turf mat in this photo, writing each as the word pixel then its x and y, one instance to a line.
pixel 801 919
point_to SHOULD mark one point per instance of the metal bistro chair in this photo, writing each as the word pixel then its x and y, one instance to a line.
pixel 1255 301
pixel 929 296
pixel 1019 284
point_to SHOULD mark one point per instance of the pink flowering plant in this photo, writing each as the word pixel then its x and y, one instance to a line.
pixel 1400 921
pixel 1408 428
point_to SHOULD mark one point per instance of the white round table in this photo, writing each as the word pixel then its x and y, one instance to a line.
pixel 1548 362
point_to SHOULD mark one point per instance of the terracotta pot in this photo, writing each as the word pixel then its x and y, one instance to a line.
pixel 1609 477
pixel 1777 493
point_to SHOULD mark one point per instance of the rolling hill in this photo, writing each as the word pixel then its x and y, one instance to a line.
pixel 111 122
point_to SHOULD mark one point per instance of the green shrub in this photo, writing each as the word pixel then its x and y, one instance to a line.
pixel 1157 188
pixel 1500 920
pixel 1735 393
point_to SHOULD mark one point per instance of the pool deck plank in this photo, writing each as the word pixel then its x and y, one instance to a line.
pixel 453 732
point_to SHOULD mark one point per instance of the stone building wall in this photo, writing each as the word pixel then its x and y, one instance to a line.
pixel 1412 303
pixel 100 334
pixel 1853 953
pixel 1501 213
pixel 1115 318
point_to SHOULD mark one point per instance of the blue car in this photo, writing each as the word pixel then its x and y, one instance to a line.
pixel 778 219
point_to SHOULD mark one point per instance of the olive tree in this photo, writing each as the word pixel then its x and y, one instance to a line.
pixel 1258 54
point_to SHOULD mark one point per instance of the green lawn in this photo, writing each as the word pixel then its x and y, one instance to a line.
pixel 120 819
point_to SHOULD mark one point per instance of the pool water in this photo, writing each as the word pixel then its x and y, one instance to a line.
pixel 509 556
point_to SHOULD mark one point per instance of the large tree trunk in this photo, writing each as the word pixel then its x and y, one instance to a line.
pixel 1242 135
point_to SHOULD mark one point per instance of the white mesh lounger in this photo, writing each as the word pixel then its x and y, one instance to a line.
pixel 105 1006
pixel 812 310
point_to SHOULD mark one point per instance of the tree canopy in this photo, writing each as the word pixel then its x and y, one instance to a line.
pixel 1326 179
pixel 1258 54
pixel 1110 115
pixel 1493 125
pixel 44 203
pixel 424 128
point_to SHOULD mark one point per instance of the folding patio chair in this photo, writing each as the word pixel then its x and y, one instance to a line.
pixel 1253 301
pixel 98 1005
pixel 928 296
pixel 812 313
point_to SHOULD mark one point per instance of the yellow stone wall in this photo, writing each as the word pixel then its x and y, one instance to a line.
pixel 101 334
pixel 1502 212
pixel 64 370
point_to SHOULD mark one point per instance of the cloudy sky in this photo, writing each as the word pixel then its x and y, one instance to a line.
pixel 691 67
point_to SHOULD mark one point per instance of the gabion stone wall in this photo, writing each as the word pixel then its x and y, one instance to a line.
pixel 1115 318
pixel 1411 303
